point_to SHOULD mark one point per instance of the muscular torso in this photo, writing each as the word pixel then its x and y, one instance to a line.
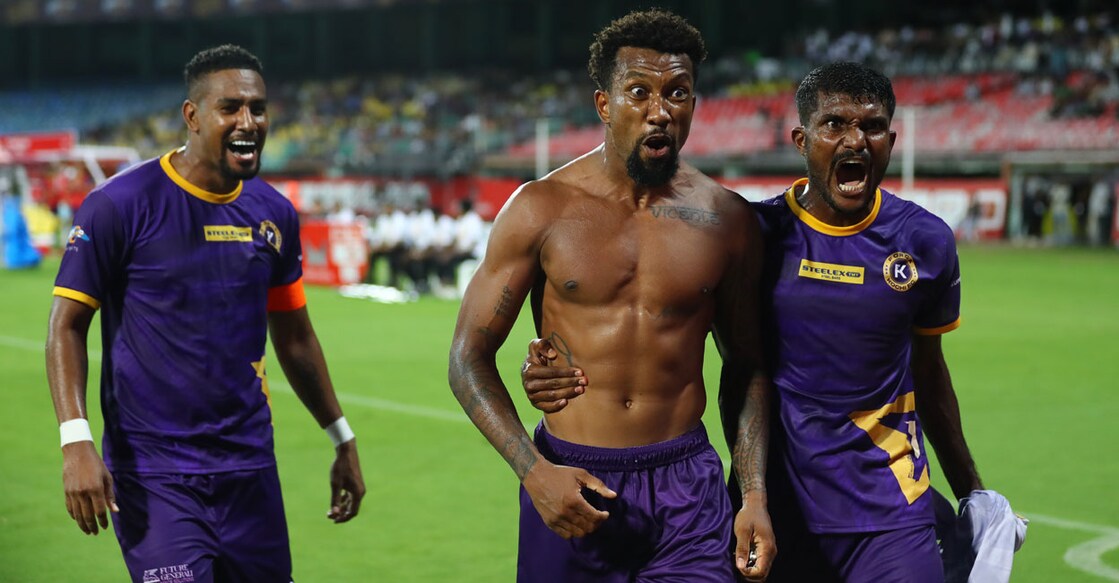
pixel 629 296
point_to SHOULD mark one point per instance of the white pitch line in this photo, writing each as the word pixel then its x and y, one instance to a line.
pixel 361 400
pixel 385 405
pixel 1086 556
pixel 25 344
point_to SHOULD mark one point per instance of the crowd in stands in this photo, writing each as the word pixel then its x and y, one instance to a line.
pixel 441 124
pixel 1002 84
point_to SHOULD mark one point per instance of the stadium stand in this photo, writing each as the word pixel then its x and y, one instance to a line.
pixel 1056 80
pixel 978 91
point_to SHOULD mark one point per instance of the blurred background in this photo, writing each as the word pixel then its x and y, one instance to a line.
pixel 1007 110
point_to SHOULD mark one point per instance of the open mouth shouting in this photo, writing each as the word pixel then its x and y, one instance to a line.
pixel 245 151
pixel 851 176
pixel 658 145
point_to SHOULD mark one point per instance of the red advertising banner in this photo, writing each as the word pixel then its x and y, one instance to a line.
pixel 30 144
pixel 333 254
pixel 976 209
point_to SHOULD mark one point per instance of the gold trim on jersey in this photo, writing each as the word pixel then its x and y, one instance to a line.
pixel 77 296
pixel 818 225
pixel 938 330
pixel 165 163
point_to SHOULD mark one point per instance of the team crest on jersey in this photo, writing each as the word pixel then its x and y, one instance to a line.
pixel 271 234
pixel 900 271
pixel 77 232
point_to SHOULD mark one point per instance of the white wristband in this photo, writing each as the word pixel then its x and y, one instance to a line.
pixel 74 430
pixel 339 431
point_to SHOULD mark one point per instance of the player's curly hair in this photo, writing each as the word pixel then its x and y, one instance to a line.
pixel 655 29
pixel 218 58
pixel 844 78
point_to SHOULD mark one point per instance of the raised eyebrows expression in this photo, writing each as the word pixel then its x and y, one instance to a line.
pixel 671 73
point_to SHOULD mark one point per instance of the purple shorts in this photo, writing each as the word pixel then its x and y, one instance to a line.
pixel 906 555
pixel 202 528
pixel 670 522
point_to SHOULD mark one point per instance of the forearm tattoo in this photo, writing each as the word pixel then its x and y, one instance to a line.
pixel 688 215
pixel 484 398
pixel 504 307
pixel 561 347
pixel 752 443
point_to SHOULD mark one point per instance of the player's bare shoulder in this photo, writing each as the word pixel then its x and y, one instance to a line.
pixel 547 195
pixel 714 204
pixel 533 211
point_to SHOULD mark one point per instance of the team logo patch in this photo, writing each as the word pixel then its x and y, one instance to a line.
pixel 77 232
pixel 228 234
pixel 900 271
pixel 831 272
pixel 271 234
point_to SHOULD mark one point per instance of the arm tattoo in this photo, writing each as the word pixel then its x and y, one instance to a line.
pixel 484 398
pixel 504 307
pixel 688 215
pixel 561 347
pixel 752 441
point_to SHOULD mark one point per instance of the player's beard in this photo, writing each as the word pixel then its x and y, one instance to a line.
pixel 238 173
pixel 655 172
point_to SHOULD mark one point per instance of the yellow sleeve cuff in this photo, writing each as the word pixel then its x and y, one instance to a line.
pixel 937 331
pixel 77 296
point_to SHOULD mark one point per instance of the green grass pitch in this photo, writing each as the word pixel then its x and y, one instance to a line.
pixel 1036 367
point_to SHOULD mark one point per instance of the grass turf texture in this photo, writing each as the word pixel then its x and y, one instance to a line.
pixel 1035 366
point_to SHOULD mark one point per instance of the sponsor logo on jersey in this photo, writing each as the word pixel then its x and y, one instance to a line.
pixel 900 271
pixel 831 272
pixel 77 232
pixel 228 234
pixel 271 234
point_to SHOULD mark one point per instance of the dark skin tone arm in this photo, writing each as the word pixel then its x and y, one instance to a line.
pixel 489 309
pixel 939 411
pixel 737 335
pixel 86 481
pixel 301 358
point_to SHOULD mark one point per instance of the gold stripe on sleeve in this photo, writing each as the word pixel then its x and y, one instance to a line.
pixel 937 331
pixel 77 296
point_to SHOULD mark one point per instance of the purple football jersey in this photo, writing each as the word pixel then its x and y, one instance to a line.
pixel 181 276
pixel 845 304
